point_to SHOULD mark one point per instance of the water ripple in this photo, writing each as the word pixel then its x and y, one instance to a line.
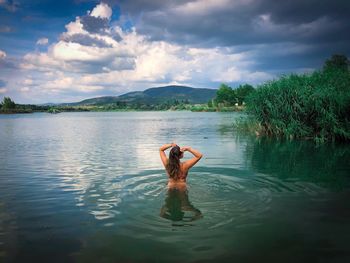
pixel 221 197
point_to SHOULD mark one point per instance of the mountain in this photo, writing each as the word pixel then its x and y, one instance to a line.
pixel 155 96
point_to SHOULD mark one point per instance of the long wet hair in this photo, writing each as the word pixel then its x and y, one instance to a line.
pixel 173 165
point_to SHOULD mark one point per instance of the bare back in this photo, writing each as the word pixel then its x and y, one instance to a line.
pixel 183 174
pixel 181 182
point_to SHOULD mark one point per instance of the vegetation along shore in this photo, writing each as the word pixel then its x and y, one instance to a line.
pixel 307 106
pixel 173 98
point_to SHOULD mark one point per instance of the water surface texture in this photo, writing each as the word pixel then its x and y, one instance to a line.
pixel 90 187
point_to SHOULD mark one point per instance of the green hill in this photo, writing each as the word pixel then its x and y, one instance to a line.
pixel 155 96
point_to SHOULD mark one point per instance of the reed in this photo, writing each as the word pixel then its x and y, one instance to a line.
pixel 312 106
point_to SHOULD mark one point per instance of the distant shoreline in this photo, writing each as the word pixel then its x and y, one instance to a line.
pixel 61 110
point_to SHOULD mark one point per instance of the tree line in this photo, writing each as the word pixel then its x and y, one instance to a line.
pixel 227 96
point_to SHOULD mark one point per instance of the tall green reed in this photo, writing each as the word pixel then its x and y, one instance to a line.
pixel 313 106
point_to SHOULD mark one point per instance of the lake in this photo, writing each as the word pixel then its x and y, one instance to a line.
pixel 90 187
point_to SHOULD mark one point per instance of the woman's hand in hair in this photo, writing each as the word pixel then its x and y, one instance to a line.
pixel 185 148
pixel 197 156
pixel 167 146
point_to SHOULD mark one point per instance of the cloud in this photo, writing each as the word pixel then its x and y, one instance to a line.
pixel 42 41
pixel 247 24
pixel 2 54
pixel 2 83
pixel 5 29
pixel 102 11
pixel 7 62
pixel 81 51
pixel 85 40
pixel 201 8
pixel 96 51
pixel 190 42
pixel 233 74
pixel 25 89
pixel 9 5
pixel 134 62
pixel 95 55
pixel 182 42
pixel 27 82
pixel 94 24
pixel 233 22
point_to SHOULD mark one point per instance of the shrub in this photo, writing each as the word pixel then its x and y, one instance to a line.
pixel 7 104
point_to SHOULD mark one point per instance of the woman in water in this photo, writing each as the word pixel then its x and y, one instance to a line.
pixel 177 171
pixel 177 207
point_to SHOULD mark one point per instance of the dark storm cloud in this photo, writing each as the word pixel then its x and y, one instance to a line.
pixel 111 64
pixel 139 6
pixel 85 40
pixel 243 23
pixel 313 29
pixel 94 24
pixel 300 11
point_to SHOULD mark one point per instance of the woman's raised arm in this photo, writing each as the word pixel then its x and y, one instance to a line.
pixel 162 153
pixel 197 156
pixel 167 146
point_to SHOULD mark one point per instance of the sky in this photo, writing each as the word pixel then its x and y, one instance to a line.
pixel 66 51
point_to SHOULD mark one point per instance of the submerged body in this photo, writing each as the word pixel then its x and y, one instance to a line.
pixel 177 171
pixel 178 208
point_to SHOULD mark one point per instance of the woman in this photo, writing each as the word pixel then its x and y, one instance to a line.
pixel 177 171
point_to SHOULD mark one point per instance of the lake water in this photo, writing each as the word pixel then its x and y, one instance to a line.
pixel 90 187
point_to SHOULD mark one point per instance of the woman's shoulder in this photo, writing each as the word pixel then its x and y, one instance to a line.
pixel 182 165
pixel 184 171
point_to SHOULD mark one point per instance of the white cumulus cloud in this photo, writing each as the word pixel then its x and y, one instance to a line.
pixel 2 54
pixel 102 10
pixel 42 41
pixel 94 55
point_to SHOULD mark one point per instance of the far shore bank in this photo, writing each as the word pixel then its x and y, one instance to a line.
pixel 56 110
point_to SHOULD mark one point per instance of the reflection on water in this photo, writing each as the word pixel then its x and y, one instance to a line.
pixel 325 165
pixel 90 187
pixel 178 208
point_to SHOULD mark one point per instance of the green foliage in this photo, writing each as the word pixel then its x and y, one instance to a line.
pixel 229 97
pixel 337 62
pixel 304 106
pixel 247 124
pixel 8 104
pixel 201 107
pixel 53 110
pixel 242 92
pixel 225 95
